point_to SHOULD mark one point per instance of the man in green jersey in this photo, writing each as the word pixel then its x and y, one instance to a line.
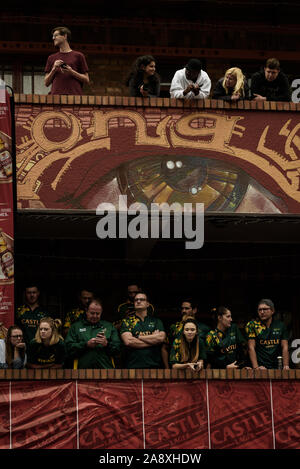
pixel 127 308
pixel 143 336
pixel 85 296
pixel 29 314
pixel 92 342
pixel 267 338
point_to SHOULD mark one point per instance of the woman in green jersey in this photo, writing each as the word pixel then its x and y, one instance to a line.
pixel 188 350
pixel 225 345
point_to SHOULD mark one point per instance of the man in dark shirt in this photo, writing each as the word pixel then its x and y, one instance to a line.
pixel 29 314
pixel 66 70
pixel 270 84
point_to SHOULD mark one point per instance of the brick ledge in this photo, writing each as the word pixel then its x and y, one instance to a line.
pixel 153 374
pixel 88 100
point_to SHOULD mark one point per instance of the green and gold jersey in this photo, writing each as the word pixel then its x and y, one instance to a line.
pixel 127 309
pixel 267 341
pixel 149 357
pixel 175 354
pixel 223 347
pixel 29 320
pixel 73 316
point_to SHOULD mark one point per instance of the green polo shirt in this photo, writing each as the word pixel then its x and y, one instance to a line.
pixel 39 354
pixel 149 357
pixel 81 332
pixel 29 320
pixel 223 347
pixel 127 309
pixel 267 341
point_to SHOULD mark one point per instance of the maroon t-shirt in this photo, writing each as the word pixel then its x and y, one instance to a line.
pixel 63 82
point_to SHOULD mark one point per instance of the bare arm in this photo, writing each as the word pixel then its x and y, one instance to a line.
pixel 157 337
pixel 192 366
pixel 285 354
pixel 133 342
pixel 50 76
pixel 252 354
pixel 83 77
pixel 165 355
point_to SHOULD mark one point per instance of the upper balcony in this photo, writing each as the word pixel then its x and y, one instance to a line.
pixel 74 152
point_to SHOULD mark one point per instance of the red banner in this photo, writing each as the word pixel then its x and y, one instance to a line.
pixel 6 213
pixel 175 415
pixel 286 399
pixel 150 415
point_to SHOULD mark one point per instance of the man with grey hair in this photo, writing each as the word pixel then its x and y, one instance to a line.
pixel 267 338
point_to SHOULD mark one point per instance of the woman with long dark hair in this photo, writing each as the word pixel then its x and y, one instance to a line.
pixel 188 351
pixel 13 349
pixel 225 345
pixel 143 81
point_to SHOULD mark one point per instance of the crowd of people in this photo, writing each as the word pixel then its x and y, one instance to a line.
pixel 67 72
pixel 137 338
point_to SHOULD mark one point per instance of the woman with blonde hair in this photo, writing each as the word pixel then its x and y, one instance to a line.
pixel 188 351
pixel 47 349
pixel 232 87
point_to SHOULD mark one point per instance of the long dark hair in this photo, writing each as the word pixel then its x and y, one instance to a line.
pixel 137 73
pixel 189 351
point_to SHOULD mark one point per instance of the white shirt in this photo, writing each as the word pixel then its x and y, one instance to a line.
pixel 180 83
pixel 2 351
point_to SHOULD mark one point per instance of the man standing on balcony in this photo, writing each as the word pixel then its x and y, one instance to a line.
pixel 190 82
pixel 143 336
pixel 67 69
pixel 30 313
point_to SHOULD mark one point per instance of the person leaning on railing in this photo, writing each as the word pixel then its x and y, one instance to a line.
pixel 13 349
pixel 143 81
pixel 232 87
pixel 47 349
pixel 188 350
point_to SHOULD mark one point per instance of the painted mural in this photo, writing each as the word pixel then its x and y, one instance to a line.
pixel 75 157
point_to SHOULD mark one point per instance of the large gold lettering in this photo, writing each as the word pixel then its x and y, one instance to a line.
pixel 38 134
pixel 101 121
pixel 215 135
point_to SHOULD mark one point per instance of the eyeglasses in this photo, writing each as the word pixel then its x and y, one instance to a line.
pixel 263 309
pixel 16 336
